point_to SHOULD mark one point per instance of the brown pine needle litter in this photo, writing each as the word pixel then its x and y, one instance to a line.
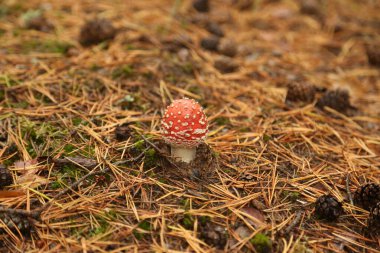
pixel 80 125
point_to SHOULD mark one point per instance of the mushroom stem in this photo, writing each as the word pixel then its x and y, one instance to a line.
pixel 183 154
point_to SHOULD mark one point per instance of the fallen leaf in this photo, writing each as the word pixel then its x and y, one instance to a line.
pixel 11 194
pixel 243 232
pixel 26 167
pixel 255 217
pixel 31 180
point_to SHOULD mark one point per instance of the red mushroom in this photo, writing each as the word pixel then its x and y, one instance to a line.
pixel 184 126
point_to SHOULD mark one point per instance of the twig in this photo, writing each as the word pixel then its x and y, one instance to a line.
pixel 348 189
pixel 74 185
pixel 135 159
pixel 294 223
pixel 79 181
pixel 17 211
pixel 158 150
pixel 78 161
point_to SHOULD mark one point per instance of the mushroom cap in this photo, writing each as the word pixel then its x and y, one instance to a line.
pixel 184 123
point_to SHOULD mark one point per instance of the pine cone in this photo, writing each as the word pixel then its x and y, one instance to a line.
pixel 5 176
pixel 123 132
pixel 225 64
pixel 16 222
pixel 338 100
pixel 300 92
pixel 367 196
pixel 210 43
pixel 214 235
pixel 201 5
pixel 96 31
pixel 373 54
pixel 227 47
pixel 374 220
pixel 328 207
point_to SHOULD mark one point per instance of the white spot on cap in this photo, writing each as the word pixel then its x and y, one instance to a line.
pixel 200 131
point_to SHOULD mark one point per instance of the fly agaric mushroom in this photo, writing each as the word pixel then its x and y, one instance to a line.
pixel 184 126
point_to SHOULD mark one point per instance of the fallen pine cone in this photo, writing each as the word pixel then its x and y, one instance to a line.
pixel 16 222
pixel 374 220
pixel 373 54
pixel 201 5
pixel 304 92
pixel 225 64
pixel 5 176
pixel 210 43
pixel 328 207
pixel 337 99
pixel 96 31
pixel 367 196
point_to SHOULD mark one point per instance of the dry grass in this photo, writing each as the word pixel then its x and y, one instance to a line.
pixel 274 159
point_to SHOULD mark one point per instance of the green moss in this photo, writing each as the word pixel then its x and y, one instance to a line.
pixel 162 30
pixel 20 105
pixel 188 221
pixel 221 121
pixel 185 203
pixel 150 158
pixel 148 75
pixel 79 121
pixel 48 46
pixel 262 243
pixel 69 148
pixel 30 14
pixel 130 47
pixel 123 72
pixel 144 225
pixel 163 180
pixel 195 89
pixel 94 67
pixel 12 9
pixel 8 81
pixel 140 145
pixel 266 138
pixel 293 196
pixel 204 219
pixel 171 78
pixel 71 171
pixel 112 214
pixel 215 154
pixel 56 185
pixel 100 229
pixel 187 68
pixel 245 130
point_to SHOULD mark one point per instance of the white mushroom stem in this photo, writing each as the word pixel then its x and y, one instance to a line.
pixel 184 154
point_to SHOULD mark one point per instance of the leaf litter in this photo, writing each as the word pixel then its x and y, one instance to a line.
pixel 291 89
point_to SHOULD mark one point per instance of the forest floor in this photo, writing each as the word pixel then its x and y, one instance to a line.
pixel 292 94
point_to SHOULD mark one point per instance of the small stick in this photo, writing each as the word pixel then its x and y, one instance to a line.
pixel 135 159
pixel 74 185
pixel 348 189
pixel 17 211
pixel 158 150
pixel 88 164
pixel 294 223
